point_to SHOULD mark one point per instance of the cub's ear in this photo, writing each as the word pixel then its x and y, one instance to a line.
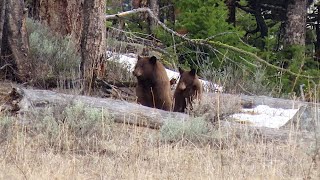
pixel 139 57
pixel 193 72
pixel 153 60
pixel 181 70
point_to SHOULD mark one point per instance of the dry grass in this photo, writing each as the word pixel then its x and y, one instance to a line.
pixel 84 146
pixel 219 105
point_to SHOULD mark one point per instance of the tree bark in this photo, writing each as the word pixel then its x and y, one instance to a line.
pixel 14 41
pixel 2 19
pixel 317 43
pixel 166 11
pixel 34 9
pixel 295 30
pixel 93 41
pixel 85 22
pixel 154 6
pixel 255 9
pixel 231 4
pixel 171 12
pixel 63 17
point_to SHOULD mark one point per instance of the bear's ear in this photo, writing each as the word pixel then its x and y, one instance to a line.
pixel 181 70
pixel 193 72
pixel 139 57
pixel 153 60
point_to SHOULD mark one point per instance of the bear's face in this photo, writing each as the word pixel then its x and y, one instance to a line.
pixel 144 67
pixel 188 83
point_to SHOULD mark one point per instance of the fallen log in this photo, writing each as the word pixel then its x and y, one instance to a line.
pixel 33 101
pixel 272 102
pixel 29 101
pixel 268 134
pixel 307 118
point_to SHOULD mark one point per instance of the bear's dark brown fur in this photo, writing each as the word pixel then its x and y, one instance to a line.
pixel 189 88
pixel 153 88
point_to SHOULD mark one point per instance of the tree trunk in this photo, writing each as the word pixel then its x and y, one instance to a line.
pixel 162 12
pixel 14 43
pixel 261 24
pixel 171 12
pixel 166 11
pixel 154 6
pixel 231 12
pixel 93 43
pixel 34 9
pixel 317 44
pixel 63 16
pixel 295 30
pixel 84 21
pixel 2 19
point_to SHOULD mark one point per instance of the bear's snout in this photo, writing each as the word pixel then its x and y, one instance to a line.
pixel 182 86
pixel 137 73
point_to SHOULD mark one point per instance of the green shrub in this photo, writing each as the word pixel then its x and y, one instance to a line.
pixel 77 128
pixel 119 72
pixel 51 55
pixel 239 80
pixel 6 123
pixel 192 130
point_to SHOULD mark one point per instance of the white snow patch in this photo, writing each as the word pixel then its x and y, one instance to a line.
pixel 172 74
pixel 265 116
pixel 130 61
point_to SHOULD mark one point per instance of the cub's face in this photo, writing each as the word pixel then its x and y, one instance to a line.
pixel 188 82
pixel 144 67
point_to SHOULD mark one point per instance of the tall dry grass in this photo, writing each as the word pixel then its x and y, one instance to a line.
pixel 84 143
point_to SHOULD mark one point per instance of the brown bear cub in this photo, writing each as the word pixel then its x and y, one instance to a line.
pixel 189 88
pixel 153 88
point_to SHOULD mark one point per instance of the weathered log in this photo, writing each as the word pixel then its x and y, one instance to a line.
pixel 272 102
pixel 268 134
pixel 253 101
pixel 28 101
pixel 121 111
pixel 307 118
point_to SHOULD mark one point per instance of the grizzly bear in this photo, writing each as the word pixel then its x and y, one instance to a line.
pixel 153 88
pixel 189 88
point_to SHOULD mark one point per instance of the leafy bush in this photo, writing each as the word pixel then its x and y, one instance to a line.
pixel 119 72
pixel 77 128
pixel 239 79
pixel 6 123
pixel 51 55
pixel 296 60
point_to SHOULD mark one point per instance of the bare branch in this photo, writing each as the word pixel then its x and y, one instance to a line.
pixel 151 14
pixel 4 66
